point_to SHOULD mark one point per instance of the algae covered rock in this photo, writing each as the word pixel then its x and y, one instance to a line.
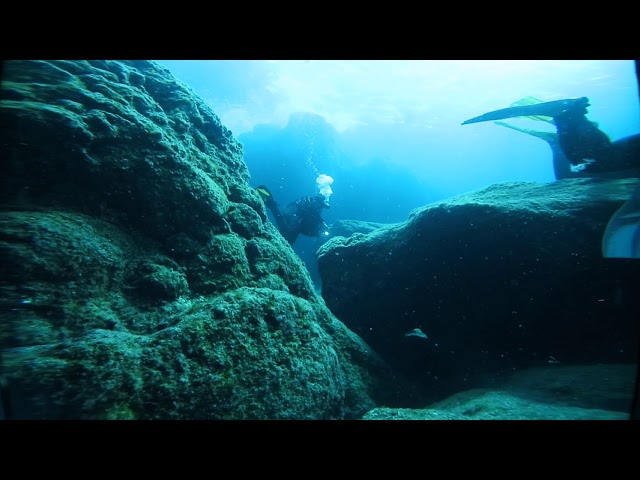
pixel 142 278
pixel 500 279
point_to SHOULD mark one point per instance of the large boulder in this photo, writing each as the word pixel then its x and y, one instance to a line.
pixel 141 277
pixel 497 280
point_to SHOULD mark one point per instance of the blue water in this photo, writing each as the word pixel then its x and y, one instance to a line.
pixel 389 132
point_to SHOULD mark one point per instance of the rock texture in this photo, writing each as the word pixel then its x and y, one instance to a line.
pixel 501 279
pixel 141 278
pixel 598 392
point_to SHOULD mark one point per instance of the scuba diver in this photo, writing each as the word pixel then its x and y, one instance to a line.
pixel 302 217
pixel 580 141
pixel 562 168
pixel 580 148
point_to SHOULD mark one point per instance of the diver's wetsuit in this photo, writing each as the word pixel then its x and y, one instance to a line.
pixel 301 217
pixel 581 140
pixel 584 143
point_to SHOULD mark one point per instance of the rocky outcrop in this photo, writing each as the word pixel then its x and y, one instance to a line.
pixel 501 279
pixel 141 277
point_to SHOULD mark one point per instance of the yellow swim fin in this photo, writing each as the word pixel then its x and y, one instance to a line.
pixel 265 195
pixel 532 101
pixel 263 191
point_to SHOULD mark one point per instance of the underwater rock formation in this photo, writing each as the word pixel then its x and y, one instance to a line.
pixel 346 228
pixel 501 279
pixel 141 278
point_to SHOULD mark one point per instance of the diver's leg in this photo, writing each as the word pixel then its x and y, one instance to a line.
pixel 583 142
pixel 281 221
pixel 561 166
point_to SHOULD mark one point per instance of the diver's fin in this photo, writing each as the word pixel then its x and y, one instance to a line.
pixel 551 109
pixel 532 101
pixel 546 136
pixel 264 191
pixel 621 238
pixel 265 194
pixel 529 100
